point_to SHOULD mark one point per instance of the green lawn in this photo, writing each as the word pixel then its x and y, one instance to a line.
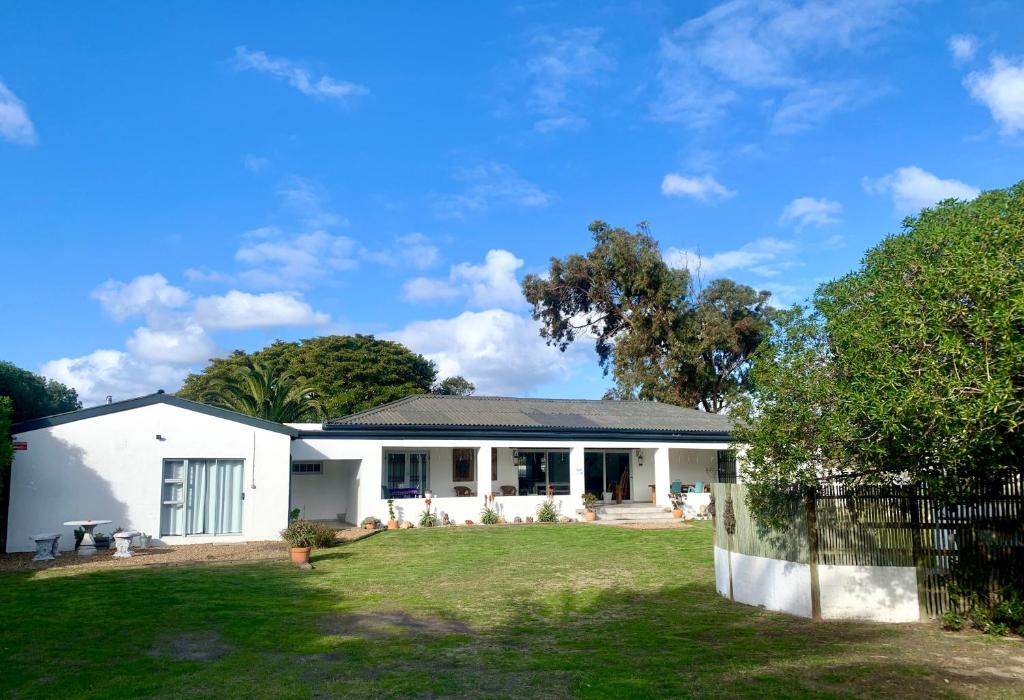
pixel 527 611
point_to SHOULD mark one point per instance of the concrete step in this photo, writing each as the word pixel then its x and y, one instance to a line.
pixel 635 515
pixel 630 509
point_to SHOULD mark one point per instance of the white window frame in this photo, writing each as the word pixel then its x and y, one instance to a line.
pixel 308 472
pixel 185 503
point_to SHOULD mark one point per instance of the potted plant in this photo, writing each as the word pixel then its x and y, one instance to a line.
pixel 299 535
pixel 392 520
pixel 589 506
pixel 677 505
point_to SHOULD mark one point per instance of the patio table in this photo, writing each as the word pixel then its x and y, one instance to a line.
pixel 87 548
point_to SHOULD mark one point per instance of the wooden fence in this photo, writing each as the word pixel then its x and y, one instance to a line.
pixel 973 538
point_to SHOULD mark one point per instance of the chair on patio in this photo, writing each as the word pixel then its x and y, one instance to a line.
pixel 463 491
pixel 698 487
pixel 676 487
pixel 509 491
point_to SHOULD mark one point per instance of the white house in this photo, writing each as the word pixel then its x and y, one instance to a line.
pixel 186 472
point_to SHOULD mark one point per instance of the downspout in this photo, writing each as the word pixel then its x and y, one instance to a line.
pixel 252 472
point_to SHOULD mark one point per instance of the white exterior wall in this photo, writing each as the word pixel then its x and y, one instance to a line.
pixel 325 496
pixel 110 467
pixel 690 465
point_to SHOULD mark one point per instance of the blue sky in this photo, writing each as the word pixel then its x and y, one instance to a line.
pixel 178 185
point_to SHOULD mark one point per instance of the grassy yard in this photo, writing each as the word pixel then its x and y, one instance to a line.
pixel 527 611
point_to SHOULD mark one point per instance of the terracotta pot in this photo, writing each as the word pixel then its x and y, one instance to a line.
pixel 392 524
pixel 590 515
pixel 677 514
pixel 300 555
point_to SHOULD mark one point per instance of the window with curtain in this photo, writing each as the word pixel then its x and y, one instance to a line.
pixel 463 463
pixel 202 497
pixel 406 473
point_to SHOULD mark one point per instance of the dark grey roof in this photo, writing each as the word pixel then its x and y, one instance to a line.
pixel 427 410
pixel 149 400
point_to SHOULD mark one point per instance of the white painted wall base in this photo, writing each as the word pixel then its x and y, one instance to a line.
pixel 871 593
pixel 878 593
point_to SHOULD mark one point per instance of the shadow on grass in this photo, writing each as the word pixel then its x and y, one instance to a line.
pixel 268 629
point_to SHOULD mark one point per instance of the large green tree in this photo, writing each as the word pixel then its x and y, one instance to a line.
pixel 660 337
pixel 33 396
pixel 349 373
pixel 911 368
pixel 256 389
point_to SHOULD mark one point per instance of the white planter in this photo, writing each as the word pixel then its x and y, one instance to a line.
pixel 607 496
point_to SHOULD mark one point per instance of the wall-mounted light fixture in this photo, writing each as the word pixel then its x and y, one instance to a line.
pixel 161 438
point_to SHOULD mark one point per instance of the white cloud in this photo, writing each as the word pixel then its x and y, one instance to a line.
pixel 255 164
pixel 428 289
pixel 186 344
pixel 15 125
pixel 492 284
pixel 1001 89
pixel 240 310
pixel 807 106
pixel 561 63
pixel 144 294
pixel 744 49
pixel 499 351
pixel 765 256
pixel 807 210
pixel 305 199
pixel 114 373
pixel 296 75
pixel 913 189
pixel 489 184
pixel 412 250
pixel 703 188
pixel 277 259
pixel 963 47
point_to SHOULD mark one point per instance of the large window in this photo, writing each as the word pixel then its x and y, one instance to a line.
pixel 463 464
pixel 540 469
pixel 201 497
pixel 406 473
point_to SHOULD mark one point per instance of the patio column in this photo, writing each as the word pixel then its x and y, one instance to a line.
pixel 484 487
pixel 576 484
pixel 662 477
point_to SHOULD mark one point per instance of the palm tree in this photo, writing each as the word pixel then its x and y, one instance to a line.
pixel 257 390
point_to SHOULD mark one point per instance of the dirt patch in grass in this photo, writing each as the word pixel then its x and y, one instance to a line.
pixel 380 625
pixel 178 555
pixel 191 646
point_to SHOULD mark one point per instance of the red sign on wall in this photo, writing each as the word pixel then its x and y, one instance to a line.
pixel 21 446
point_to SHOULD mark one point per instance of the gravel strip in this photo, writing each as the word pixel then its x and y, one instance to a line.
pixel 166 556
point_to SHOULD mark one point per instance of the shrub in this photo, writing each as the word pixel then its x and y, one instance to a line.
pixel 589 502
pixel 952 620
pixel 427 518
pixel 293 514
pixel 546 511
pixel 488 516
pixel 323 535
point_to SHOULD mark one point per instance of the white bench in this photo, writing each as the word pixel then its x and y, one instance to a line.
pixel 123 543
pixel 46 546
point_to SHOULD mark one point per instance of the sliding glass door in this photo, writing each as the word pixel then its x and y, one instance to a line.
pixel 606 471
pixel 202 497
